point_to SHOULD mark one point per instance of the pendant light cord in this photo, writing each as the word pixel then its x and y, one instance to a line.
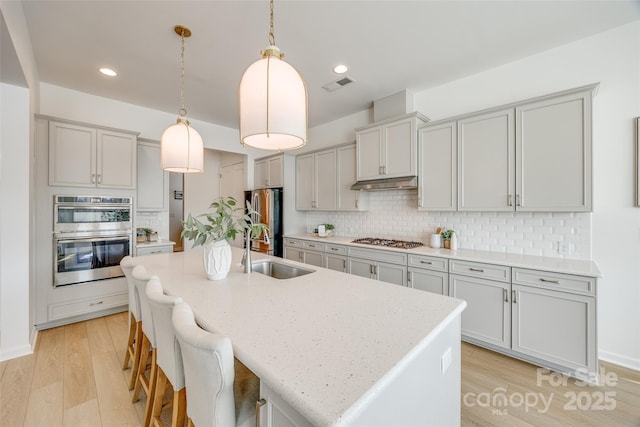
pixel 182 111
pixel 272 37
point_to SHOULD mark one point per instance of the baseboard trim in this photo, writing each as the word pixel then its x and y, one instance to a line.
pixel 617 359
pixel 19 351
pixel 34 338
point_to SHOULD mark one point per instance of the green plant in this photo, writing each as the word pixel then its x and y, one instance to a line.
pixel 147 231
pixel 225 222
pixel 328 227
pixel 446 234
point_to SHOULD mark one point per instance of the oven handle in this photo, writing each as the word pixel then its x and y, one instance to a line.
pixel 94 239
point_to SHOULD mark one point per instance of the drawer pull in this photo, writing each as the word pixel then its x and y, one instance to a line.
pixel 513 297
pixel 95 303
pixel 557 282
pixel 506 295
pixel 334 249
pixel 479 270
pixel 426 262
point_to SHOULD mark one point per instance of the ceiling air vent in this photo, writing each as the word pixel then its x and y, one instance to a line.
pixel 341 82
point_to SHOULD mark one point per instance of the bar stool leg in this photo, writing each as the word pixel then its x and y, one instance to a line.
pixel 137 353
pixel 128 354
pixel 140 380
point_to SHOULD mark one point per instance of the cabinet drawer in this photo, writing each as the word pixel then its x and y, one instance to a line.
pixel 293 243
pixel 77 307
pixel 429 262
pixel 378 255
pixel 161 249
pixel 336 249
pixel 477 269
pixel 314 246
pixel 562 282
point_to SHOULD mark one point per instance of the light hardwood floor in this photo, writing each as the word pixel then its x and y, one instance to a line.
pixel 74 378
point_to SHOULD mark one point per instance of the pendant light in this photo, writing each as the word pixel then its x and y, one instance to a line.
pixel 181 146
pixel 272 102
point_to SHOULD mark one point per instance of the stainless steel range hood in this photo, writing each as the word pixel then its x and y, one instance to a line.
pixel 399 183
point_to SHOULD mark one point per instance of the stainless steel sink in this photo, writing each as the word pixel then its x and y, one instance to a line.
pixel 278 270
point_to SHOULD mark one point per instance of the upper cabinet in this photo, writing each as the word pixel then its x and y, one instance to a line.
pixel 388 149
pixel 534 155
pixel 324 179
pixel 86 156
pixel 153 182
pixel 269 172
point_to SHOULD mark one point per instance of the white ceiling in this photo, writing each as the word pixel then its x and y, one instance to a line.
pixel 388 45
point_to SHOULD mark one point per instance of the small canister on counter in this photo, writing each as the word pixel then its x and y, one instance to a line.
pixel 141 236
pixel 435 241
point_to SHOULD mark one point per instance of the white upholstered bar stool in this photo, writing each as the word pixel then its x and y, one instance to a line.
pixel 140 278
pixel 134 343
pixel 170 372
pixel 210 376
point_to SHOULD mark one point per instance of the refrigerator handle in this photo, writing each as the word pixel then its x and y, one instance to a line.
pixel 256 203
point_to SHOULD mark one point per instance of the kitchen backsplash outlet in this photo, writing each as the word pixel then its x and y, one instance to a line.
pixel 393 214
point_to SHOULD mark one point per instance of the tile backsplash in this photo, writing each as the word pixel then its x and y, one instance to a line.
pixel 157 221
pixel 394 214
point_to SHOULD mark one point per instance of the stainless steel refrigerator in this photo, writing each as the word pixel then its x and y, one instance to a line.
pixel 268 205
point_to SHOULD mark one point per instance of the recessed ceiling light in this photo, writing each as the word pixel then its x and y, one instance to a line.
pixel 108 72
pixel 340 69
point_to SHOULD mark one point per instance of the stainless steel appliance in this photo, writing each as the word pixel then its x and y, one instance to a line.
pixel 400 244
pixel 91 234
pixel 268 204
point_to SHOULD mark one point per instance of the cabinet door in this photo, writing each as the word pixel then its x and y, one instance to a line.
pixel 369 153
pixel 305 195
pixel 116 161
pixel 153 182
pixel 361 267
pixel 349 199
pixel 72 155
pixel 437 167
pixel 399 148
pixel 276 171
pixel 293 254
pixel 430 281
pixel 555 326
pixel 314 258
pixel 336 262
pixel 391 273
pixel 325 179
pixel 488 313
pixel 553 148
pixel 486 162
pixel 260 174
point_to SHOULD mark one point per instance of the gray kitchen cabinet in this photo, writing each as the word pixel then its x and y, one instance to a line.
pixel 316 176
pixel 486 162
pixel 304 251
pixel 554 319
pixel 437 167
pixel 428 274
pixel 553 147
pixel 148 249
pixel 153 182
pixel 385 266
pixel 348 199
pixel 89 156
pixel 487 290
pixel 388 149
pixel 268 172
pixel 336 257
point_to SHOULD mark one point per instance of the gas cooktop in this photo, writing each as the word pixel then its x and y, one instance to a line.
pixel 401 244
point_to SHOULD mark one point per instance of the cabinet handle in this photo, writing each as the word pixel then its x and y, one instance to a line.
pixel 420 202
pixel 259 404
pixel 93 178
pixel 334 249
pixel 344 265
pixel 506 295
pixel 384 170
pixel 426 262
pixel 410 279
pixel 357 204
pixel 380 170
pixel 370 268
pixel 557 282
pixel 99 179
pixel 95 303
pixel 301 256
pixel 479 270
pixel 509 200
pixel 513 296
pixel 517 200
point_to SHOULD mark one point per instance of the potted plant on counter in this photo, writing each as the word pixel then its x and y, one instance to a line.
pixel 446 238
pixel 217 229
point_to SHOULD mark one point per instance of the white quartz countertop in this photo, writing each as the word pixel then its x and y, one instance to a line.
pixel 159 242
pixel 557 265
pixel 326 342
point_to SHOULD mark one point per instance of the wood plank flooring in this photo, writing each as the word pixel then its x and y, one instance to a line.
pixel 74 378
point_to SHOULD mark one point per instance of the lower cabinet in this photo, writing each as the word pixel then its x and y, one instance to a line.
pixel 383 271
pixel 273 411
pixel 155 249
pixel 336 258
pixel 294 250
pixel 428 273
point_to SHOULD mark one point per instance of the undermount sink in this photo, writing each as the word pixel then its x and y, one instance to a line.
pixel 278 270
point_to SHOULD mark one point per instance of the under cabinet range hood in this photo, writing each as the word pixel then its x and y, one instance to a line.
pixel 399 183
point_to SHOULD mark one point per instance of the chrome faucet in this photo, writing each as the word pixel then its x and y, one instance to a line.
pixel 246 259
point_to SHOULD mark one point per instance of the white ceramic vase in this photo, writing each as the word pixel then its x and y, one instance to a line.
pixel 216 259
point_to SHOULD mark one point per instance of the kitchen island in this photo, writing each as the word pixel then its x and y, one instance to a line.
pixel 330 348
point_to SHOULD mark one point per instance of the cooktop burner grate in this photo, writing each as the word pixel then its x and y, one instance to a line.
pixel 388 242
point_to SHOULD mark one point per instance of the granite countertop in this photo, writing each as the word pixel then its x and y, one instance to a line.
pixel 556 265
pixel 159 242
pixel 325 342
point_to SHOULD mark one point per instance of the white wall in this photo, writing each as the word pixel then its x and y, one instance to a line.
pixel 14 221
pixel 613 59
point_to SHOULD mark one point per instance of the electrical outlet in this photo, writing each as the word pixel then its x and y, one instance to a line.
pixel 564 248
pixel 445 361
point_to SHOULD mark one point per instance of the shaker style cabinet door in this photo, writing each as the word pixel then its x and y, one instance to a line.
pixel 116 160
pixel 325 178
pixel 153 182
pixel 400 149
pixel 348 199
pixel 437 167
pixel 553 146
pixel 305 197
pixel 72 155
pixel 486 162
pixel 369 153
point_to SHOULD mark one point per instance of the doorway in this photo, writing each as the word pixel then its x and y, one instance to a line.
pixel 176 209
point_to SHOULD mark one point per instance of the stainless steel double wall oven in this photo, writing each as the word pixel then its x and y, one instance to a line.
pixel 91 234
